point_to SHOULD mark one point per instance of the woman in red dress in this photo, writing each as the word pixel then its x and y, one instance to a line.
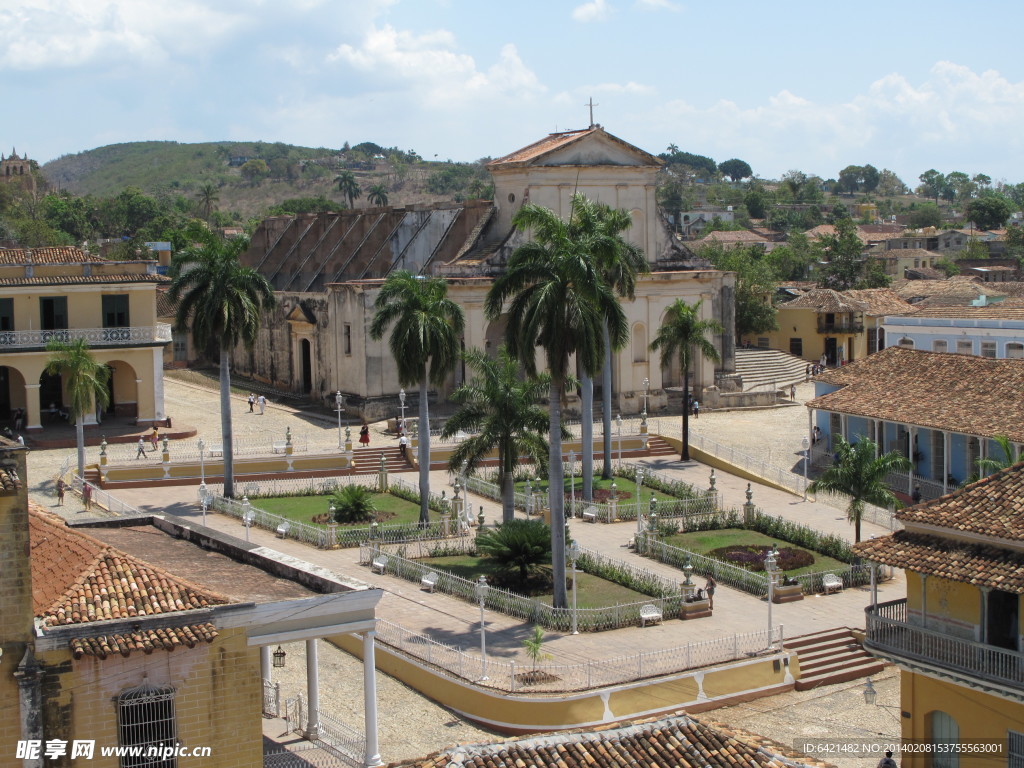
pixel 364 434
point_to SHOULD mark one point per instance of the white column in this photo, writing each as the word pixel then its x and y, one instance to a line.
pixel 912 449
pixel 265 662
pixel 312 690
pixel 372 756
pixel 946 443
pixel 158 384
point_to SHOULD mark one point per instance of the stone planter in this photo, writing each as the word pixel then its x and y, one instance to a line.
pixel 698 609
pixel 786 594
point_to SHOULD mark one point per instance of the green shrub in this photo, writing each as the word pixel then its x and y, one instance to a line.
pixel 522 545
pixel 353 504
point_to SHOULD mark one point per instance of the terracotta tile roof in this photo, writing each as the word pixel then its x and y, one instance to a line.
pixel 679 741
pixel 881 301
pixel 164 306
pixel 9 480
pixel 1008 309
pixel 56 255
pixel 733 236
pixel 960 393
pixel 978 564
pixel 865 233
pixel 145 640
pixel 992 506
pixel 77 579
pixel 911 253
pixel 923 273
pixel 965 289
pixel 1012 288
pixel 555 141
pixel 826 300
pixel 83 279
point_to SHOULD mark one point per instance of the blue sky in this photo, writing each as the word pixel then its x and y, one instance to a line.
pixel 809 85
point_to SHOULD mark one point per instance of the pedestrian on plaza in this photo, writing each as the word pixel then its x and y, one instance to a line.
pixel 19 419
pixel 61 488
pixel 364 434
pixel 887 761
pixel 696 408
pixel 807 372
pixel 262 401
pixel 916 495
pixel 403 446
pixel 154 437
pixel 816 435
pixel 401 427
pixel 141 453
pixel 792 391
pixel 87 496
pixel 252 402
pixel 709 588
pixel 21 440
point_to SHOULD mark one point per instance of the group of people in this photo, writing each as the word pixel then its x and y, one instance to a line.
pixel 692 405
pixel 255 400
pixel 813 369
pixel 154 436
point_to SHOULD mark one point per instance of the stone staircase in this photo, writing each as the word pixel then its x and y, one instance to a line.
pixel 658 447
pixel 367 460
pixel 765 366
pixel 831 656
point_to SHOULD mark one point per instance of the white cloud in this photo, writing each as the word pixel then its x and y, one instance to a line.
pixel 595 10
pixel 629 88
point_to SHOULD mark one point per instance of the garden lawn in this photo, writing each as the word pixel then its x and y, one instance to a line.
pixel 626 490
pixel 703 542
pixel 303 508
pixel 592 591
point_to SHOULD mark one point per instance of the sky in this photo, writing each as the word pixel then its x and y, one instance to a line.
pixel 814 86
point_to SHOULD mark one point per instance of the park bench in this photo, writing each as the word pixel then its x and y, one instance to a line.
pixel 429 581
pixel 379 564
pixel 649 613
pixel 282 529
pixel 831 583
pixel 279 446
pixel 216 450
pixel 590 513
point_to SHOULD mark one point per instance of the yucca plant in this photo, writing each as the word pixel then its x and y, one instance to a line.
pixel 353 504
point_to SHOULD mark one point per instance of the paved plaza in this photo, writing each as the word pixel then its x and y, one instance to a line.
pixel 457 623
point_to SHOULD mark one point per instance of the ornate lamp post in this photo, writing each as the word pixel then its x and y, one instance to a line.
pixel 771 568
pixel 481 595
pixel 807 460
pixel 572 483
pixel 618 421
pixel 574 556
pixel 401 404
pixel 647 393
pixel 247 515
pixel 202 472
pixel 639 487
pixel 339 406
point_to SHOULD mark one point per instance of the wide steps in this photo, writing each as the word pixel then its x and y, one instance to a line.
pixel 658 447
pixel 832 656
pixel 759 367
pixel 368 460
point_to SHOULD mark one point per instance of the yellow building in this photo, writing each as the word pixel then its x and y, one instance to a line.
pixel 957 635
pixel 66 294
pixel 841 326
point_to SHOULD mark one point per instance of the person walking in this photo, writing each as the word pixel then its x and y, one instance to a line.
pixel 154 437
pixel 696 408
pixel 709 589
pixel 403 446
pixel 141 453
pixel 364 434
pixel 262 402
pixel 61 488
pixel 87 496
pixel 252 402
pixel 887 761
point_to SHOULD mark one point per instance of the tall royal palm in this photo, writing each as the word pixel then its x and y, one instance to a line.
pixel 221 302
pixel 557 301
pixel 685 335
pixel 859 474
pixel 348 186
pixel 85 382
pixel 501 410
pixel 426 332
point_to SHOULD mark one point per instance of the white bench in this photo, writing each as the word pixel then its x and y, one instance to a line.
pixel 216 450
pixel 429 581
pixel 590 513
pixel 831 583
pixel 279 446
pixel 379 564
pixel 649 613
pixel 282 529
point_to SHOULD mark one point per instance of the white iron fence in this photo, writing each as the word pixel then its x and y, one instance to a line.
pixel 331 733
pixel 96 337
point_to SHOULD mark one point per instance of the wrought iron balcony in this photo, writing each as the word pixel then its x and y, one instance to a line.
pixel 841 326
pixel 968 662
pixel 132 336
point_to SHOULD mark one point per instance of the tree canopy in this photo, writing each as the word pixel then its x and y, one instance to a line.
pixel 735 169
pixel 989 211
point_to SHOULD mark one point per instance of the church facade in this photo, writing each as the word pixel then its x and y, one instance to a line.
pixel 328 268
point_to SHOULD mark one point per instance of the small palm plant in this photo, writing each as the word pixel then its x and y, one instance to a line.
pixel 518 546
pixel 353 504
pixel 534 646
pixel 989 465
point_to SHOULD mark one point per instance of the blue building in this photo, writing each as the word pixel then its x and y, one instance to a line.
pixel 941 411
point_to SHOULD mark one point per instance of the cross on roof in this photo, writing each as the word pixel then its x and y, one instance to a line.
pixel 591 104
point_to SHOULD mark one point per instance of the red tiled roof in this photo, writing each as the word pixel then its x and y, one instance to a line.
pixel 55 255
pixel 679 741
pixel 880 301
pixel 145 640
pixel 733 236
pixel 164 306
pixel 557 140
pixel 978 564
pixel 826 300
pixel 1008 309
pixel 83 279
pixel 77 579
pixel 960 393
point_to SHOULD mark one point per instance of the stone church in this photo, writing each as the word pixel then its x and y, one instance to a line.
pixel 327 269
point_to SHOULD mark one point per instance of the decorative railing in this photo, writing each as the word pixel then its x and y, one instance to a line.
pixel 905 482
pixel 888 631
pixel 845 326
pixel 213 448
pixel 271 699
pixel 133 335
pixel 760 467
pixel 511 676
pixel 331 733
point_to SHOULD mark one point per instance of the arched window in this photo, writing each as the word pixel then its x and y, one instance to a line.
pixel 943 729
pixel 639 343
pixel 907 343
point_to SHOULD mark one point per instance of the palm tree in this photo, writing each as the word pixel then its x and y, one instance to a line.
pixel 85 381
pixel 620 262
pixel 989 465
pixel 502 411
pixel 208 197
pixel 682 335
pixel 558 302
pixel 425 337
pixel 222 303
pixel 348 186
pixel 861 476
pixel 517 545
pixel 377 195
